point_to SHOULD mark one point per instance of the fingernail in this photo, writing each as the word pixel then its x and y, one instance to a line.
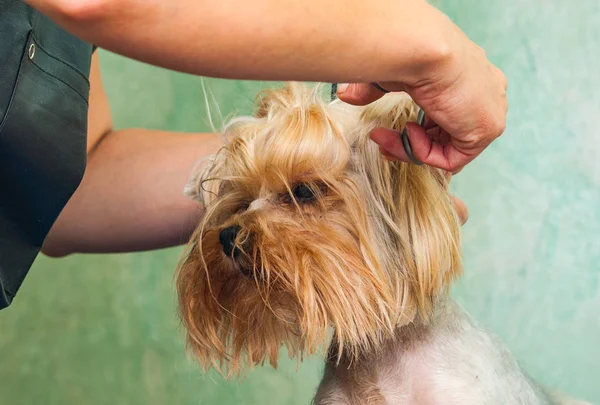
pixel 342 87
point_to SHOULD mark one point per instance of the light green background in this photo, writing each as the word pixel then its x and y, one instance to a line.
pixel 103 329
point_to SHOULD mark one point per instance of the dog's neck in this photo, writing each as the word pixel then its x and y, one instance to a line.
pixel 405 336
pixel 369 375
pixel 449 360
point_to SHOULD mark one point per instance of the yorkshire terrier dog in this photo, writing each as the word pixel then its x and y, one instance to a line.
pixel 308 230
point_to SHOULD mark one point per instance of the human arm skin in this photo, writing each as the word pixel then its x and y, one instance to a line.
pixel 312 40
pixel 406 45
pixel 131 196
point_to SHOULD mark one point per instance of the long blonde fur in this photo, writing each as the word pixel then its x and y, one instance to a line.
pixel 373 252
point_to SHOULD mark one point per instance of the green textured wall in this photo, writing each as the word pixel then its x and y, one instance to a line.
pixel 102 329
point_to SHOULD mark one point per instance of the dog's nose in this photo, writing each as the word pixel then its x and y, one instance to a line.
pixel 227 239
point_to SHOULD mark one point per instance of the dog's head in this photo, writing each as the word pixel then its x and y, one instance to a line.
pixel 308 227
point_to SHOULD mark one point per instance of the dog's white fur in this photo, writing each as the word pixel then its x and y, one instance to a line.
pixel 450 361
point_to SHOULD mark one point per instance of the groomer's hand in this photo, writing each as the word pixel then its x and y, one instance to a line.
pixel 464 100
pixel 461 209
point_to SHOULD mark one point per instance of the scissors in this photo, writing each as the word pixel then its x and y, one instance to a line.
pixel 404 136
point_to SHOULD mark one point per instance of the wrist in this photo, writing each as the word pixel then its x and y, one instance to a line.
pixel 426 47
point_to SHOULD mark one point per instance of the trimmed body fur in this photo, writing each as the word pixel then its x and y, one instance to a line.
pixel 450 360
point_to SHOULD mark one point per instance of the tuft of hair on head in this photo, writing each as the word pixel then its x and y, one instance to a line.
pixel 292 97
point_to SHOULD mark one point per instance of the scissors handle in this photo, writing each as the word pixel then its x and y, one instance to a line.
pixel 406 141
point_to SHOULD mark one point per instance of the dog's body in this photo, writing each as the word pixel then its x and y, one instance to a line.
pixel 308 228
pixel 448 361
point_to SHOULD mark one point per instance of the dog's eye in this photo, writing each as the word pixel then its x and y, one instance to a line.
pixel 303 192
pixel 243 207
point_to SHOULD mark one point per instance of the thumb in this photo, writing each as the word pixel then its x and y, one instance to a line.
pixel 358 93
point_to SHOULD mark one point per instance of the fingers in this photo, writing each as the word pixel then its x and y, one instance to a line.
pixel 358 93
pixel 390 144
pixel 461 210
pixel 441 155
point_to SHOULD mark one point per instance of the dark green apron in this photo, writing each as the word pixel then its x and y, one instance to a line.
pixel 44 92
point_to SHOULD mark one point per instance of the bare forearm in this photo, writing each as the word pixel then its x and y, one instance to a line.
pixel 314 40
pixel 131 197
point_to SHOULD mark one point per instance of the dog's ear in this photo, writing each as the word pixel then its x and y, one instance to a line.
pixel 433 258
pixel 413 212
pixel 193 188
pixel 204 182
pixel 198 187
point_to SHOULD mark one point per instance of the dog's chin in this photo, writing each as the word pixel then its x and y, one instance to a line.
pixel 242 317
pixel 238 321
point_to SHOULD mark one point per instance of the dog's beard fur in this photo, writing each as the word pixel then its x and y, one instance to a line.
pixel 331 234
